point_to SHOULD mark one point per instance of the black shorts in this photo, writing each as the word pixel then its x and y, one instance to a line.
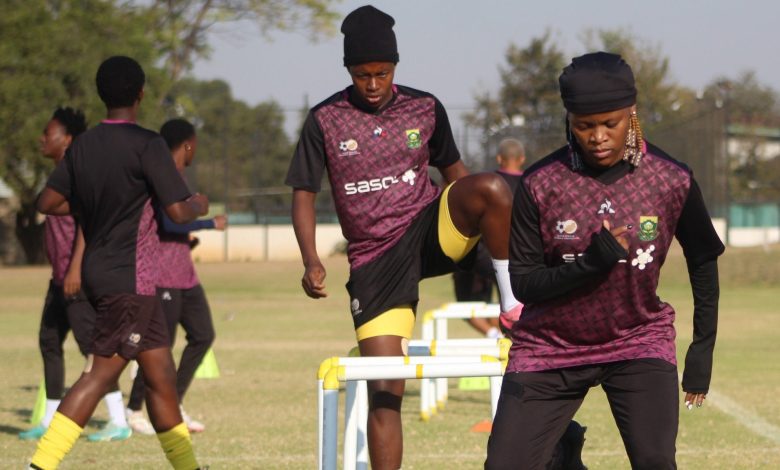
pixel 127 324
pixel 61 315
pixel 392 279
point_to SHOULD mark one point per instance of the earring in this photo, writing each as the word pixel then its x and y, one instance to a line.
pixel 633 153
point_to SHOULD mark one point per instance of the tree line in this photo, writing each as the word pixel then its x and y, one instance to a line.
pixel 49 50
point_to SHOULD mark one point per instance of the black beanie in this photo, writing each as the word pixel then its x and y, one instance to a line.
pixel 597 83
pixel 369 37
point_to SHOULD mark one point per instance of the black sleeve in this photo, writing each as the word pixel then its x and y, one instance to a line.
pixel 443 151
pixel 60 179
pixel 698 359
pixel 701 246
pixel 161 173
pixel 697 236
pixel 308 162
pixel 532 280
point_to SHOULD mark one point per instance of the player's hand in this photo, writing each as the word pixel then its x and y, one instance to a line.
pixel 620 233
pixel 72 283
pixel 220 222
pixel 313 281
pixel 694 399
pixel 202 202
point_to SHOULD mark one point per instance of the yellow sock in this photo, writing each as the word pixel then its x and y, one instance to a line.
pixel 56 442
pixel 177 446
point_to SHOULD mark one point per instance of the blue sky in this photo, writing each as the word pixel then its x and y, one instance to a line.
pixel 452 48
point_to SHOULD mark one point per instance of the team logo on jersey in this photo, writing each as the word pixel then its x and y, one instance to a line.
pixel 648 227
pixel 565 229
pixel 379 132
pixel 643 257
pixel 355 307
pixel 606 207
pixel 348 147
pixel 413 139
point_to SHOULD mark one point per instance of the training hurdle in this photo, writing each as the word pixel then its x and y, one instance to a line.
pixel 354 371
pixel 498 348
pixel 433 394
pixel 434 326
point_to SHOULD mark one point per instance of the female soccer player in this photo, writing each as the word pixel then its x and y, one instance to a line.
pixel 591 227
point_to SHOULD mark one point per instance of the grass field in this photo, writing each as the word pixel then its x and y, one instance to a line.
pixel 261 413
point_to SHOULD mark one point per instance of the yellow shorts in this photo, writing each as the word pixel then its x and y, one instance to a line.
pixel 399 321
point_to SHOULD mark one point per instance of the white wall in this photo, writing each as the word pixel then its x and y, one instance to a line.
pixel 261 243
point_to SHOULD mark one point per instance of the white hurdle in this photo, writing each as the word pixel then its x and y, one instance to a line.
pixel 357 370
pixel 434 326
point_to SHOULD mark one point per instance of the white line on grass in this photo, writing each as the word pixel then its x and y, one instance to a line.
pixel 742 415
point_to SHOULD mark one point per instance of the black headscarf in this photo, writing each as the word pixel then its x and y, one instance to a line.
pixel 597 83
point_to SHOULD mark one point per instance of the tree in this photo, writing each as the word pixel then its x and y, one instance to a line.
pixel 659 98
pixel 241 148
pixel 49 52
pixel 181 26
pixel 528 104
pixel 752 119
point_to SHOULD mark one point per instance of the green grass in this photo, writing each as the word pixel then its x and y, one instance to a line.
pixel 261 413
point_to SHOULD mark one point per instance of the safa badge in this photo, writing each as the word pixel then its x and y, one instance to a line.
pixel 648 227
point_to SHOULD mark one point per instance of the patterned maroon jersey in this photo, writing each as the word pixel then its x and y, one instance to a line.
pixel 176 268
pixel 377 164
pixel 60 238
pixel 616 316
pixel 147 253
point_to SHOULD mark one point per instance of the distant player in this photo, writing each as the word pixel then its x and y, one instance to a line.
pixel 179 290
pixel 66 307
pixel 476 284
pixel 109 177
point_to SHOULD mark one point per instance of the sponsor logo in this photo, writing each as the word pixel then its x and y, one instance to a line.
pixel 134 338
pixel 643 257
pixel 648 227
pixel 166 295
pixel 379 184
pixel 565 229
pixel 355 307
pixel 348 148
pixel 379 132
pixel 606 207
pixel 413 139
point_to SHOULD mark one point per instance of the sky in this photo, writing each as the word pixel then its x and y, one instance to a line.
pixel 453 48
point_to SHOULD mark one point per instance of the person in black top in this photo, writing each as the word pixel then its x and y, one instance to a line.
pixel 108 179
pixel 591 227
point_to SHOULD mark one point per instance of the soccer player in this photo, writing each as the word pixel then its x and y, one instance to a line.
pixel 108 179
pixel 591 228
pixel 66 308
pixel 179 289
pixel 377 140
pixel 476 284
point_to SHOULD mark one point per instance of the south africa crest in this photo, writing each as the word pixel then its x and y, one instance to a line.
pixel 648 227
pixel 413 139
